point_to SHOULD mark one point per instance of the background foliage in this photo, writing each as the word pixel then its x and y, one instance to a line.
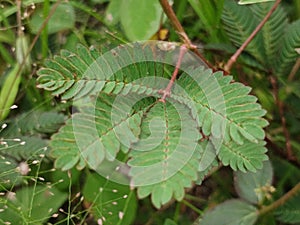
pixel 45 179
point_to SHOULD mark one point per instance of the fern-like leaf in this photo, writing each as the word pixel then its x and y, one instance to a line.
pixel 23 148
pixel 272 31
pixel 246 157
pixel 289 212
pixel 40 122
pixel 288 54
pixel 172 159
pixel 239 23
pixel 223 107
pixel 118 111
pixel 90 136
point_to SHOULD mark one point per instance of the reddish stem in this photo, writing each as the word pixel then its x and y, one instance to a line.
pixel 182 34
pixel 167 92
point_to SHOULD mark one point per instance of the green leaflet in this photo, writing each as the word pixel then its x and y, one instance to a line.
pixel 116 95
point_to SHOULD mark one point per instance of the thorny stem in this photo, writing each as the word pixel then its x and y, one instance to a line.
pixel 179 29
pixel 166 93
pixel 280 106
pixel 234 57
pixel 280 201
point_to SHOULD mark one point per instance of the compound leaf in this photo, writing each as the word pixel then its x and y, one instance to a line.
pixel 239 23
pixel 167 154
pixel 91 136
pixel 289 212
pixel 288 53
pixel 249 156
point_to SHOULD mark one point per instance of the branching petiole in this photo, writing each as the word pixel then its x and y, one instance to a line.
pixel 167 92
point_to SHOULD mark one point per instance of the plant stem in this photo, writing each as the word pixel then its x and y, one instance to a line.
pixel 194 198
pixel 19 20
pixel 234 57
pixel 179 29
pixel 194 208
pixel 280 106
pixel 166 93
pixel 280 201
pixel 294 70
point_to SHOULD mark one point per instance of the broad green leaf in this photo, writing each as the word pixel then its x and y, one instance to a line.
pixel 111 203
pixel 140 19
pixel 233 212
pixel 32 204
pixel 62 19
pixel 289 212
pixel 112 13
pixel 244 2
pixel 255 187
pixel 9 91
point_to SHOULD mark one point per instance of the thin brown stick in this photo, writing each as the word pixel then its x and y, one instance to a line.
pixel 234 57
pixel 166 93
pixel 179 29
pixel 294 70
pixel 280 106
pixel 280 201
